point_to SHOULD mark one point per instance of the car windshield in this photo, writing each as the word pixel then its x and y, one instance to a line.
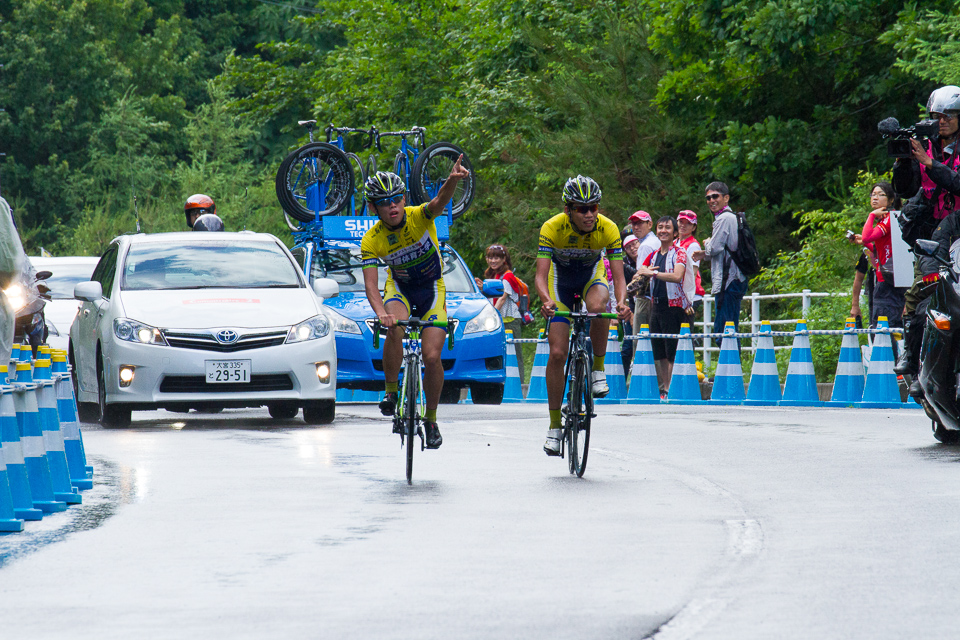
pixel 65 277
pixel 343 265
pixel 227 264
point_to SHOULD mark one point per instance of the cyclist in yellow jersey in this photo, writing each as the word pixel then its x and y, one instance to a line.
pixel 406 239
pixel 570 263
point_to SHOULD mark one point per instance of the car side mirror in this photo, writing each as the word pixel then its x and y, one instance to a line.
pixel 43 275
pixel 326 288
pixel 492 288
pixel 927 247
pixel 89 291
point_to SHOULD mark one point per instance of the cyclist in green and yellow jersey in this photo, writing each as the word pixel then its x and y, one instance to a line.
pixel 569 263
pixel 406 239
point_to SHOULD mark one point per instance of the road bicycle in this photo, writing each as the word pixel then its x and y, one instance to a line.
pixel 314 180
pixel 577 413
pixel 424 169
pixel 411 405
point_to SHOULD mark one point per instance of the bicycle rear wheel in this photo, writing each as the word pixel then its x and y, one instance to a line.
pixel 410 382
pixel 580 410
pixel 431 170
pixel 317 175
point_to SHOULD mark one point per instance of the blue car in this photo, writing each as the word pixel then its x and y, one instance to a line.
pixel 477 359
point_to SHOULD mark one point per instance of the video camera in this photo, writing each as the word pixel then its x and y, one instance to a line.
pixel 899 146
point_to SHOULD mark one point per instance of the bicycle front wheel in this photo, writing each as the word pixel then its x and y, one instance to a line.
pixel 432 169
pixel 412 392
pixel 580 410
pixel 317 176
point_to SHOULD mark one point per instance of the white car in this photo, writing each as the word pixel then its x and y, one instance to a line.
pixel 61 309
pixel 204 321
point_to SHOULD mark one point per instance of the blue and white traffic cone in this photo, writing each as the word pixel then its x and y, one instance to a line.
pixel 512 388
pixel 800 387
pixel 881 390
pixel 26 356
pixel 728 379
pixel 17 477
pixel 80 471
pixel 848 383
pixel 52 436
pixel 685 384
pixel 613 368
pixel 764 387
pixel 537 391
pixel 468 399
pixel 12 365
pixel 643 375
pixel 8 518
pixel 31 437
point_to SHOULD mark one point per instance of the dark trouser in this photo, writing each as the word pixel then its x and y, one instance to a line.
pixel 913 316
pixel 626 348
pixel 888 301
pixel 665 319
pixel 728 307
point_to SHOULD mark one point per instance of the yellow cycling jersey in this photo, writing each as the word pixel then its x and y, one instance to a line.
pixel 412 252
pixel 568 248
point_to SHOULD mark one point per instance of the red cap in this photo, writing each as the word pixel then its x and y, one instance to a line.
pixel 688 215
pixel 641 216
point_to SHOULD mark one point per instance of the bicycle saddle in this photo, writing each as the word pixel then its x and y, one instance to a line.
pixel 307 123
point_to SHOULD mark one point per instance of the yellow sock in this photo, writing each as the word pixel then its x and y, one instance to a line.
pixel 431 415
pixel 554 418
pixel 598 362
pixel 391 387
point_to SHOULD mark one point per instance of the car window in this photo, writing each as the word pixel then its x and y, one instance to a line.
pixel 65 277
pixel 227 264
pixel 106 268
pixel 343 266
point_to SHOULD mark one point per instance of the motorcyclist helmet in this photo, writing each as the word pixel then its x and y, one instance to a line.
pixel 581 190
pixel 944 100
pixel 208 222
pixel 382 185
pixel 198 204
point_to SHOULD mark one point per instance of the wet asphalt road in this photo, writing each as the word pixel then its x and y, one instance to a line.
pixel 691 522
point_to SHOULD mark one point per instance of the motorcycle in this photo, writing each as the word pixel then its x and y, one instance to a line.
pixel 28 296
pixel 939 363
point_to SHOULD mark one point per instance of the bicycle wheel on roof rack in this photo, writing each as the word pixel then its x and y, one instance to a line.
pixel 359 177
pixel 317 175
pixel 431 170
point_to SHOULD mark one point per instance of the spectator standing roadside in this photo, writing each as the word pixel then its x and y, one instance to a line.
pixel 642 225
pixel 728 284
pixel 500 267
pixel 888 300
pixel 12 260
pixel 666 268
pixel 692 289
pixel 630 246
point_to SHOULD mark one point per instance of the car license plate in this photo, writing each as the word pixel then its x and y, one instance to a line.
pixel 232 371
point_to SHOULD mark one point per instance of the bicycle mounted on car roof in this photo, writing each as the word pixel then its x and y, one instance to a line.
pixel 320 179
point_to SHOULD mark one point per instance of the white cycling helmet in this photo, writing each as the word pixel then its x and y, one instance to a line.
pixel 944 100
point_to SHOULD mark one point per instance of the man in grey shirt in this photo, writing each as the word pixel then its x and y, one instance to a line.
pixel 729 284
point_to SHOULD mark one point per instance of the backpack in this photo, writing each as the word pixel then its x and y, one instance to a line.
pixel 523 297
pixel 746 256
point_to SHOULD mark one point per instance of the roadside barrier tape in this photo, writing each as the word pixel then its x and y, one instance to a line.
pixel 760 334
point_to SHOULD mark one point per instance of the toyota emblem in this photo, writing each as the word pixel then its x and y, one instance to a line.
pixel 227 336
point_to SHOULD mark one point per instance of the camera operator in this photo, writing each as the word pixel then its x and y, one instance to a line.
pixel 931 181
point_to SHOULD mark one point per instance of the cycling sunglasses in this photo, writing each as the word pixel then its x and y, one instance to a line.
pixel 714 196
pixel 585 208
pixel 383 202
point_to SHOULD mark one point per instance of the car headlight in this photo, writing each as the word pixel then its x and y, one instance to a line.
pixel 133 331
pixel 311 329
pixel 16 296
pixel 486 320
pixel 341 323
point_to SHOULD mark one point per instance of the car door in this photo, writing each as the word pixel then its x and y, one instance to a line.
pixel 88 321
